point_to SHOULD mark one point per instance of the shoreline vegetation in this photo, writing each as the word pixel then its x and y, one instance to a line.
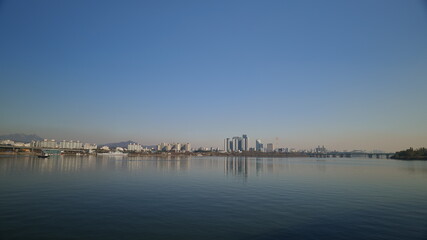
pixel 411 154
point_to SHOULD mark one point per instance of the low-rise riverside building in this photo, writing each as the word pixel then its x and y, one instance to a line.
pixel 7 142
pixel 105 148
pixel 90 146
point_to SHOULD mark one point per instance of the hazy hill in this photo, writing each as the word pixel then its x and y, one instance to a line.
pixel 20 137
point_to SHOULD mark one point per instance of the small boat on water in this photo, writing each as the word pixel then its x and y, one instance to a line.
pixel 43 155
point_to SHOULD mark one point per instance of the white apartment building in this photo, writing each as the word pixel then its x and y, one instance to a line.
pixel 70 144
pixel 134 147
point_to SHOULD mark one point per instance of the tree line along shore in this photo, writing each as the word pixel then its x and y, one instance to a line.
pixel 411 154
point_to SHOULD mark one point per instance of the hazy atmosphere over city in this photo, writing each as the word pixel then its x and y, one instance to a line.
pixel 344 74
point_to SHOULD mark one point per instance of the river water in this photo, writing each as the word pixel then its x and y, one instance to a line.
pixel 82 197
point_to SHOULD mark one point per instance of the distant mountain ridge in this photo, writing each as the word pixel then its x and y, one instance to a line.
pixel 20 137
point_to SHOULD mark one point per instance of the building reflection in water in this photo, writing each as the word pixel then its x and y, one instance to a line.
pixel 247 166
pixel 259 164
pixel 242 167
pixel 90 163
pixel 163 163
pixel 237 166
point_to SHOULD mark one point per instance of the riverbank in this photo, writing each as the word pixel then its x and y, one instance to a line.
pixel 410 158
pixel 198 154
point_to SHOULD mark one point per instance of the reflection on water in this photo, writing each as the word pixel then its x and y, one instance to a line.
pixel 236 166
pixel 85 163
pixel 88 197
pixel 246 166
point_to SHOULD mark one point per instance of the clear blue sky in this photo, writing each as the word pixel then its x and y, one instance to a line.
pixel 344 74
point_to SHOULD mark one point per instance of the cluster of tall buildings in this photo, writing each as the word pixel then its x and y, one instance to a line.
pixel 174 147
pixel 241 144
pixel 236 144
pixel 259 146
pixel 321 149
pixel 63 144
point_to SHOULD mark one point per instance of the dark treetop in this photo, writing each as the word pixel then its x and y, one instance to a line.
pixel 411 154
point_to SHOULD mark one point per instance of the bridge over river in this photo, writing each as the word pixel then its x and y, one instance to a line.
pixel 350 155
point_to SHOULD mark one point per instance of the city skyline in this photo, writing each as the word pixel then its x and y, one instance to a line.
pixel 234 144
pixel 347 75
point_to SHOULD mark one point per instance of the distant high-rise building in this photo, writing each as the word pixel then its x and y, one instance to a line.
pixel 245 142
pixel 176 147
pixel 320 149
pixel 228 145
pixel 259 146
pixel 270 147
pixel 164 147
pixel 186 147
pixel 236 144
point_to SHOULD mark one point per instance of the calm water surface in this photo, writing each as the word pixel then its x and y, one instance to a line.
pixel 73 197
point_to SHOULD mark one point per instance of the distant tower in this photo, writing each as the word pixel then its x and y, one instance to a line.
pixel 258 145
pixel 245 144
pixel 236 144
pixel 270 147
pixel 228 145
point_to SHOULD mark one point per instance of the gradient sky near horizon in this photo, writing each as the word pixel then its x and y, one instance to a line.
pixel 344 74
